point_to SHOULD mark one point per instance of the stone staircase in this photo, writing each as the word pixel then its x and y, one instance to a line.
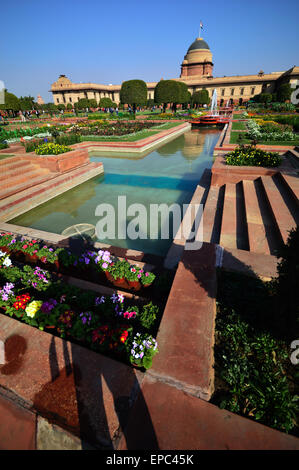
pixel 25 185
pixel 17 175
pixel 249 220
pixel 253 215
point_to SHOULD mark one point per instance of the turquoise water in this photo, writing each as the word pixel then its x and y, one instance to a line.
pixel 167 175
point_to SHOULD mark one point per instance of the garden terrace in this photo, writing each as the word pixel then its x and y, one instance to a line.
pixel 117 399
pixel 61 378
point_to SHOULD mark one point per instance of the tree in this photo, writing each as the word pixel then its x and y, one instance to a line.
pixel 11 102
pixel 50 107
pixel 60 106
pixel 83 103
pixel 133 92
pixel 150 103
pixel 200 97
pixel 106 103
pixel 27 103
pixel 265 98
pixel 168 92
pixel 185 95
pixel 284 92
pixel 69 106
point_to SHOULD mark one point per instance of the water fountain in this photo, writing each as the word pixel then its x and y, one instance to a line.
pixel 213 109
pixel 213 118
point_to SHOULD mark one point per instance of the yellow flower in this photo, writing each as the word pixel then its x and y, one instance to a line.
pixel 33 307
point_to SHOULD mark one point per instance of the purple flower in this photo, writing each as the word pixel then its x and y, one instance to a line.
pixel 8 287
pixel 4 297
pixel 85 317
pixel 104 265
pixel 114 298
pixel 99 301
pixel 48 305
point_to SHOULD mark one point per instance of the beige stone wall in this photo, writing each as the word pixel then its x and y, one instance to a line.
pixel 64 91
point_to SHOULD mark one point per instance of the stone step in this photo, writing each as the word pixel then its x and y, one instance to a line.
pixel 12 163
pixel 280 210
pixel 212 214
pixel 175 252
pixel 257 234
pixel 6 173
pixel 228 236
pixel 30 198
pixel 292 183
pixel 23 179
pixel 15 190
pixel 293 157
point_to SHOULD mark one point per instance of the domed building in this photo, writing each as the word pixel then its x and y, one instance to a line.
pixel 198 60
pixel 196 73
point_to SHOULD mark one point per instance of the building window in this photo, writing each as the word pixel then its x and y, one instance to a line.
pixel 232 91
pixel 57 100
pixel 70 99
pixel 222 92
pixel 252 90
pixel 241 91
pixel 149 96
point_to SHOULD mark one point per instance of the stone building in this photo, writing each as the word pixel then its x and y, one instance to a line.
pixel 196 72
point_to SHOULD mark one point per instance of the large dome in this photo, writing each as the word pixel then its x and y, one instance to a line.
pixel 199 43
pixel 198 60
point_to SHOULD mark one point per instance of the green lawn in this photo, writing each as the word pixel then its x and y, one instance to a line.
pixel 239 126
pixel 234 138
pixel 121 138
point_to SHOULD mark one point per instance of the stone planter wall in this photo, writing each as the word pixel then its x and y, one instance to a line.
pixel 60 163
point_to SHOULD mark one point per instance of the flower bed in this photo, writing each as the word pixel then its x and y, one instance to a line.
pixel 254 374
pixel 51 149
pixel 90 264
pixel 263 132
pixel 111 325
pixel 252 156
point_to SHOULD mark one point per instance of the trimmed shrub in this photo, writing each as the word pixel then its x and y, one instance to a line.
pixel 251 156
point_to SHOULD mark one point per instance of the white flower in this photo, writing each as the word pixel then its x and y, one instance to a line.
pixel 2 253
pixel 7 262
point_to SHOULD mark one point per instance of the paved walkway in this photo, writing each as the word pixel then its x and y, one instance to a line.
pixel 58 395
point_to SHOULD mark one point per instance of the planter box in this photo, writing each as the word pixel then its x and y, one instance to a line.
pixel 222 173
pixel 61 163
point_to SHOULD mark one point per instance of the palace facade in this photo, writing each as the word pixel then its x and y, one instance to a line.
pixel 196 72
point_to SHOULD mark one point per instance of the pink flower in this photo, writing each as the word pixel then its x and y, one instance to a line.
pixel 104 265
pixel 25 246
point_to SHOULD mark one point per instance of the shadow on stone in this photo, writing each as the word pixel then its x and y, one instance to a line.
pixel 92 397
pixel 15 347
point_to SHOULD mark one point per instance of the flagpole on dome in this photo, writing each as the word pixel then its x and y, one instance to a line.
pixel 200 29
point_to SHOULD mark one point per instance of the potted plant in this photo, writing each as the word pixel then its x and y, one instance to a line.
pixel 133 275
pixel 147 278
pixel 142 350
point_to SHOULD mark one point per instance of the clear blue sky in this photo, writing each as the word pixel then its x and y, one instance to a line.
pixel 109 42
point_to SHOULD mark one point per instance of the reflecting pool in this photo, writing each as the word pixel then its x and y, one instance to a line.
pixel 166 175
